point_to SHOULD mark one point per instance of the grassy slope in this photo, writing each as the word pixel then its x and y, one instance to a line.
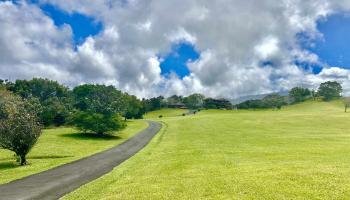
pixel 166 113
pixel 300 152
pixel 58 146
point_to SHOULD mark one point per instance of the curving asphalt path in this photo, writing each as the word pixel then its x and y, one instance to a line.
pixel 56 182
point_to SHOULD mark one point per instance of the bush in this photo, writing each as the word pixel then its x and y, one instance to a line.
pixel 98 123
pixel 19 126
pixel 160 116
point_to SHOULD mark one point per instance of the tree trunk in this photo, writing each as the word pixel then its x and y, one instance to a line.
pixel 346 108
pixel 23 160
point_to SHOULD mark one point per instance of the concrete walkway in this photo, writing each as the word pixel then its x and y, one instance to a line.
pixel 57 182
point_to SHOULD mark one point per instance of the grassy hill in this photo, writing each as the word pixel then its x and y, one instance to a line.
pixel 166 112
pixel 299 152
pixel 59 146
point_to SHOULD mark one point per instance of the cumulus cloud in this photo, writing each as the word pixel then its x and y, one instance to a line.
pixel 233 38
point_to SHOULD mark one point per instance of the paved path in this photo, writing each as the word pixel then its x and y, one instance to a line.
pixel 56 182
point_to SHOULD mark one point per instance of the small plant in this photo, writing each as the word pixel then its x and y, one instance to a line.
pixel 183 114
pixel 160 116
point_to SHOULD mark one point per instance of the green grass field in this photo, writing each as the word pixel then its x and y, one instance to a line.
pixel 59 146
pixel 167 112
pixel 299 152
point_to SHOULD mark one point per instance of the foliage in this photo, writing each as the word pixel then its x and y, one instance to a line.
pixel 53 97
pixel 194 101
pixel 210 103
pixel 102 99
pixel 174 99
pixel 97 122
pixel 99 108
pixel 134 107
pixel 155 103
pixel 330 90
pixel 299 94
pixel 19 126
pixel 270 101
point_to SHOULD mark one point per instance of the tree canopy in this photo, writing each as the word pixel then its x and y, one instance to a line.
pixel 299 94
pixel 19 125
pixel 330 90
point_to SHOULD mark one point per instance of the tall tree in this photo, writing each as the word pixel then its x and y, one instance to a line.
pixel 99 108
pixel 330 90
pixel 54 98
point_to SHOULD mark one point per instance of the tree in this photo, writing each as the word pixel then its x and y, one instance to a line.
pixel 270 101
pixel 154 103
pixel 97 122
pixel 194 101
pixel 330 90
pixel 346 101
pixel 99 108
pixel 19 125
pixel 99 99
pixel 211 103
pixel 299 94
pixel 55 99
pixel 134 108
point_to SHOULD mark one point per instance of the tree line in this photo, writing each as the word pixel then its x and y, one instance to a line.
pixel 327 91
pixel 27 106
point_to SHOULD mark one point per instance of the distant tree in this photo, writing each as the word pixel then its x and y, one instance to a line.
pixel 210 103
pixel 174 99
pixel 346 101
pixel 194 101
pixel 154 103
pixel 299 94
pixel 330 90
pixel 19 125
pixel 270 101
pixel 274 101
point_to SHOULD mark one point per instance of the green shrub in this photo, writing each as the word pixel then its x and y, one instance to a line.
pixel 98 123
pixel 19 125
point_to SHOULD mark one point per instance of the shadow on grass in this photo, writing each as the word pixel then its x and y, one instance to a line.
pixel 90 136
pixel 8 165
pixel 47 157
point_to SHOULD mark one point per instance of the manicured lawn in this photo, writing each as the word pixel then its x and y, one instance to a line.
pixel 167 112
pixel 300 152
pixel 59 146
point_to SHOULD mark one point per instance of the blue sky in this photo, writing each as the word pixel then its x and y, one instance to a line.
pixel 334 48
pixel 82 26
pixel 176 61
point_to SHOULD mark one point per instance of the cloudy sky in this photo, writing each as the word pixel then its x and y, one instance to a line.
pixel 221 48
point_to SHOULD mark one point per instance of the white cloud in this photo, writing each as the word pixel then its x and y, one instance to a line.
pixel 233 37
